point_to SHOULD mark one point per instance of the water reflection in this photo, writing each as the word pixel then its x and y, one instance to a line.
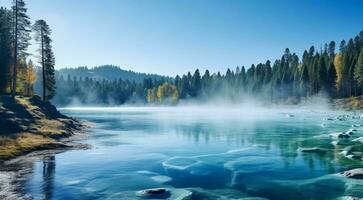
pixel 49 164
pixel 258 157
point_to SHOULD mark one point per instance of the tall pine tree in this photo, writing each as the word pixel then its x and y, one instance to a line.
pixel 5 48
pixel 21 34
pixel 358 71
pixel 46 60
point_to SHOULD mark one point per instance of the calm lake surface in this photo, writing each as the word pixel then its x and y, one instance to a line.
pixel 205 152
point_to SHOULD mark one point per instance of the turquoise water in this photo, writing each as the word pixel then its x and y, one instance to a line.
pixel 197 153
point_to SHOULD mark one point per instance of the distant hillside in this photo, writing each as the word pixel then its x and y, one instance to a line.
pixel 108 72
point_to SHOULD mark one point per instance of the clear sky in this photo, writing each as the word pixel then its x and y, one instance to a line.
pixel 175 36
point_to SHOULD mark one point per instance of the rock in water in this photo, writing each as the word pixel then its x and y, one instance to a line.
pixel 349 198
pixel 349 132
pixel 354 173
pixel 161 193
pixel 360 140
pixel 312 150
pixel 181 194
pixel 340 135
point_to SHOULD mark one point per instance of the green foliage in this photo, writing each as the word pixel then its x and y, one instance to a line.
pixel 21 33
pixel 47 60
pixel 5 49
pixel 358 71
pixel 288 78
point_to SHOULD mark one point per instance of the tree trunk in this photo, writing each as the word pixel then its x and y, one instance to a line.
pixel 13 92
pixel 43 64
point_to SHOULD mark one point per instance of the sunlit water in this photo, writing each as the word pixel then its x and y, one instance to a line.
pixel 197 153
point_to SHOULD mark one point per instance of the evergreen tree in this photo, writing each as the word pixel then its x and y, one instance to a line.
pixel 5 49
pixel 358 71
pixel 47 60
pixel 21 36
pixel 330 80
pixel 331 49
pixel 196 84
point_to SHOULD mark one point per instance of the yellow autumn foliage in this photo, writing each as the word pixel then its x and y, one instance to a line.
pixel 167 93
pixel 30 78
pixel 338 64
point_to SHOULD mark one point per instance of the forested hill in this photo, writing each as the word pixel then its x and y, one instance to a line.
pixel 107 72
pixel 105 84
pixel 335 71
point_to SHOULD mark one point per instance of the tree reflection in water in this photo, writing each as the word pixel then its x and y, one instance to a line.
pixel 48 177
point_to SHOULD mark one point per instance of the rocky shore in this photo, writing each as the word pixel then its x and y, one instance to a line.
pixel 28 124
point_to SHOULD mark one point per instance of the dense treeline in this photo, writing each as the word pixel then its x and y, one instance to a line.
pixel 91 91
pixel 108 72
pixel 335 71
pixel 17 71
pixel 103 85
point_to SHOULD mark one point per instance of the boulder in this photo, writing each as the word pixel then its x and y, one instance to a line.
pixel 340 135
pixel 164 193
pixel 354 173
pixel 344 136
pixel 349 198
pixel 360 140
pixel 354 157
pixel 161 193
pixel 349 132
pixel 312 150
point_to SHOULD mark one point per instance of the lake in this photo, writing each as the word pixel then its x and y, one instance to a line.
pixel 198 152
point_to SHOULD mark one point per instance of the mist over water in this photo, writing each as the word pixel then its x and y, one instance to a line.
pixel 202 151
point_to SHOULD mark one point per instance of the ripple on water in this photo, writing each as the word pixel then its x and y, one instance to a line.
pixel 180 163
pixel 255 163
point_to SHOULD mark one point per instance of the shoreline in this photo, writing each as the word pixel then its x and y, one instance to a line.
pixel 64 137
pixel 53 147
pixel 30 125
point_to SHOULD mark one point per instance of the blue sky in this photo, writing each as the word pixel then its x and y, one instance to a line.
pixel 175 36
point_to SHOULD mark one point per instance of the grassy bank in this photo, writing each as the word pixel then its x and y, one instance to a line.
pixel 351 103
pixel 28 124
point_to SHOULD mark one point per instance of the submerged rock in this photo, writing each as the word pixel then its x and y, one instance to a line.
pixel 161 193
pixel 344 135
pixel 337 142
pixel 181 194
pixel 360 140
pixel 349 132
pixel 347 150
pixel 354 157
pixel 349 198
pixel 356 125
pixel 339 135
pixel 354 173
pixel 312 150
